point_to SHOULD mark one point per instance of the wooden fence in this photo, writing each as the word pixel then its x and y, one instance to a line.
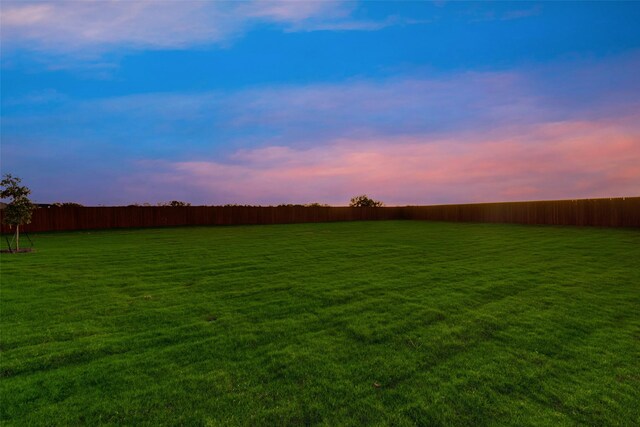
pixel 84 218
pixel 615 212
pixel 618 212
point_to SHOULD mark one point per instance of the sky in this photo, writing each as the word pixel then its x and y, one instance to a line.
pixel 260 102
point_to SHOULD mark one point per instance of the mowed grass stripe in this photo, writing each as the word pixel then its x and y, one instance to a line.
pixel 394 322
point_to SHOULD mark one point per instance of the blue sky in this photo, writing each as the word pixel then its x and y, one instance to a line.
pixel 111 102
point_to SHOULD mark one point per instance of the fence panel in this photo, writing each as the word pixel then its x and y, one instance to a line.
pixel 617 212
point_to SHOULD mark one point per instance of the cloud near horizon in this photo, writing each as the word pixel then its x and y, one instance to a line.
pixel 547 161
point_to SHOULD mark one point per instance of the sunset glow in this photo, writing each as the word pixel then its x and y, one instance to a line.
pixel 296 102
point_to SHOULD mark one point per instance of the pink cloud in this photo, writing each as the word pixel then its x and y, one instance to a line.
pixel 545 161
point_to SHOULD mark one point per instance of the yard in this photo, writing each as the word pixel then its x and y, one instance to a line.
pixel 352 323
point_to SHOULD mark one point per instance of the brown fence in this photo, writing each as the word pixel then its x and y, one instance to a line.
pixel 618 212
pixel 84 218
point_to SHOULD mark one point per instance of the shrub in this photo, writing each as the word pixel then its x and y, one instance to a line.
pixel 67 205
pixel 175 204
pixel 364 201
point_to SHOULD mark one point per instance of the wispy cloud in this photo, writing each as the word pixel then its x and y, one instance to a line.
pixel 94 26
pixel 480 13
pixel 521 13
pixel 304 115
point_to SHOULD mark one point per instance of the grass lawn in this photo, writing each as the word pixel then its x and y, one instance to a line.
pixel 362 323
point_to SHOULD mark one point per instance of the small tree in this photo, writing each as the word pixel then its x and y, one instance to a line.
pixel 365 202
pixel 19 208
pixel 174 204
pixel 67 205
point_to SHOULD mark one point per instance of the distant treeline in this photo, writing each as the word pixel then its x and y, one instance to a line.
pixel 177 203
pixel 362 201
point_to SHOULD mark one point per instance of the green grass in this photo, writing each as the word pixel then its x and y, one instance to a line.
pixel 363 323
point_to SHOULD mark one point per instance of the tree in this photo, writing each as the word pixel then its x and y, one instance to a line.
pixel 67 205
pixel 175 204
pixel 365 202
pixel 19 208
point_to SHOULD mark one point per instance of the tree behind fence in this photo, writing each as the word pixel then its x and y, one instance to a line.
pixel 615 212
